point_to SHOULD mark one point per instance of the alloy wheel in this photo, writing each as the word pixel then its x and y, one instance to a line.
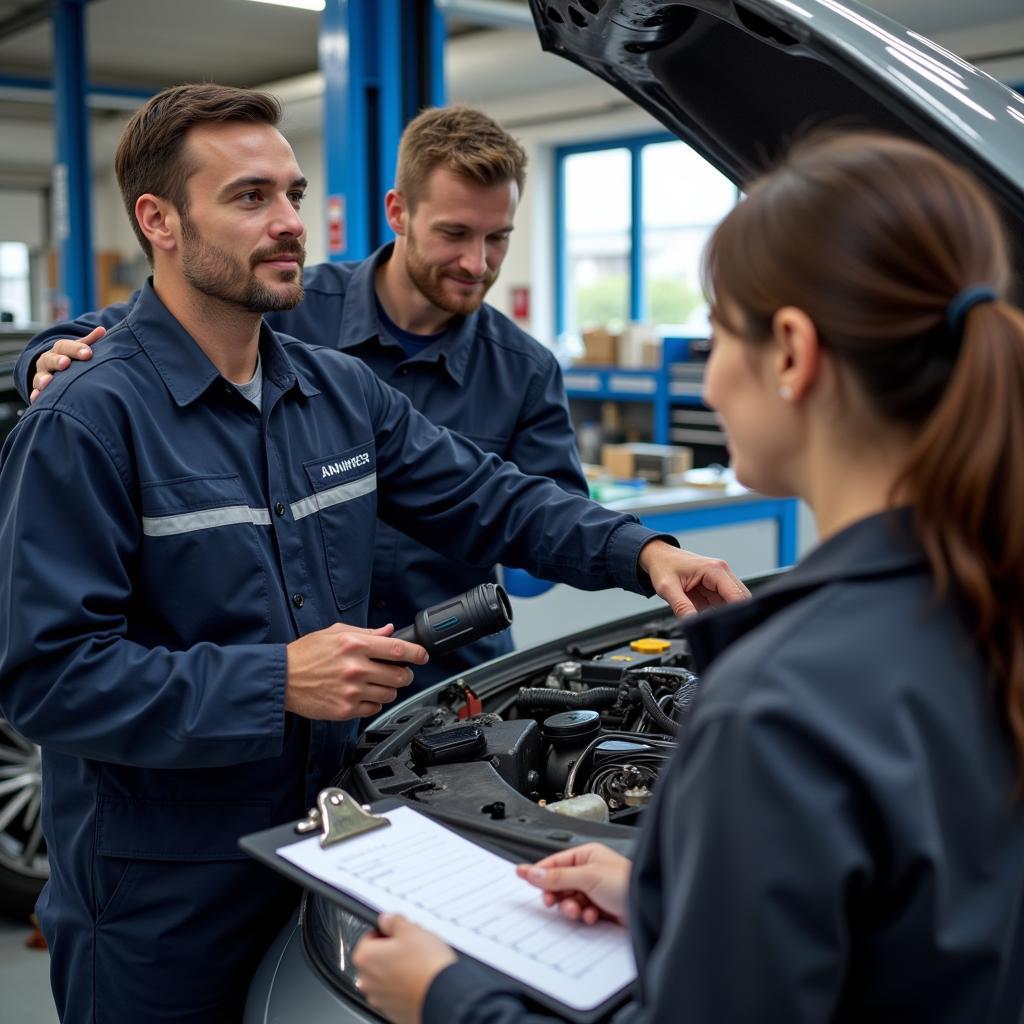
pixel 22 848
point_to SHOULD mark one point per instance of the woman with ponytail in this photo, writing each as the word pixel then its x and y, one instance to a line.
pixel 840 836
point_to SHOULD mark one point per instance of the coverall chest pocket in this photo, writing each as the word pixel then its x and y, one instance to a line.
pixel 203 559
pixel 343 500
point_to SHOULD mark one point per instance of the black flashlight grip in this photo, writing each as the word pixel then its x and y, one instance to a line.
pixel 482 611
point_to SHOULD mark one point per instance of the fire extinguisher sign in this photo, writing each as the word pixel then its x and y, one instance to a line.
pixel 520 302
pixel 336 225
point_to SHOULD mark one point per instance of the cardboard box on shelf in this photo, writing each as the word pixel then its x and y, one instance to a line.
pixel 651 355
pixel 639 347
pixel 600 348
pixel 658 463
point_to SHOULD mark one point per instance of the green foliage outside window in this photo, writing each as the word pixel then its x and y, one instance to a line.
pixel 671 301
pixel 603 303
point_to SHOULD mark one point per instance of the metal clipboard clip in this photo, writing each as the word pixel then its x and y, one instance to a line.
pixel 338 817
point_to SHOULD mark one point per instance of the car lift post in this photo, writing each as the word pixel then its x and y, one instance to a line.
pixel 382 62
pixel 72 174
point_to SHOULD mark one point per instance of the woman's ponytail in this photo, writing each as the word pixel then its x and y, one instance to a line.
pixel 966 475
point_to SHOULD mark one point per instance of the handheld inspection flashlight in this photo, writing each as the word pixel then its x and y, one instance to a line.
pixel 477 613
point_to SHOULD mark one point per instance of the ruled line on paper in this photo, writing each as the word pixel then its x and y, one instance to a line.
pixel 474 900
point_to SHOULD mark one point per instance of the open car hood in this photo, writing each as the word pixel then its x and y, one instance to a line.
pixel 736 79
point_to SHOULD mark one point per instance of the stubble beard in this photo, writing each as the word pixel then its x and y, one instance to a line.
pixel 429 281
pixel 220 275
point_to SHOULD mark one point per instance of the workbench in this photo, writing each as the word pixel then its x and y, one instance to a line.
pixel 752 532
pixel 681 509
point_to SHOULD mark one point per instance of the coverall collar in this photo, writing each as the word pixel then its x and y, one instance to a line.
pixel 360 325
pixel 184 367
pixel 881 545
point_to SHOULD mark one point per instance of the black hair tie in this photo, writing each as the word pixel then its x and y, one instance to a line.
pixel 962 303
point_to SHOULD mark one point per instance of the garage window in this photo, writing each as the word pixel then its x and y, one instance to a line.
pixel 15 293
pixel 633 217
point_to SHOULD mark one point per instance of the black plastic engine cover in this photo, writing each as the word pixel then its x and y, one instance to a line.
pixel 515 749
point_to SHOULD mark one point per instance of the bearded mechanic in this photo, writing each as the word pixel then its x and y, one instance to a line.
pixel 192 656
pixel 414 312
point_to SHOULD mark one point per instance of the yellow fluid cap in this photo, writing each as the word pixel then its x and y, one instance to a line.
pixel 650 645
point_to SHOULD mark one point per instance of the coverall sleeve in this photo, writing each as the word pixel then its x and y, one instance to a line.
pixel 465 994
pixel 544 442
pixel 440 489
pixel 70 677
pixel 25 368
pixel 764 869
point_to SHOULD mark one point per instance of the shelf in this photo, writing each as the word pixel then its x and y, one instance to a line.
pixel 685 435
pixel 696 400
pixel 675 384
pixel 613 383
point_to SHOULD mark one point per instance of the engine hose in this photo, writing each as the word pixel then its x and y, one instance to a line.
pixel 657 716
pixel 535 698
pixel 670 676
pixel 651 743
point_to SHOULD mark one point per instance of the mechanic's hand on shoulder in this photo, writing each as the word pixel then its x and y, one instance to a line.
pixel 587 883
pixel 346 672
pixel 397 966
pixel 687 582
pixel 59 358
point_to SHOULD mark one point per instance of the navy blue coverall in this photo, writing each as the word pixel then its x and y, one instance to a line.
pixel 837 837
pixel 161 541
pixel 485 378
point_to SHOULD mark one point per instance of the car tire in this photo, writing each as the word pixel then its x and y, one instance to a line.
pixel 23 865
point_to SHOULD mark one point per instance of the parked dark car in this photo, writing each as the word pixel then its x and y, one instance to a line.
pixel 735 79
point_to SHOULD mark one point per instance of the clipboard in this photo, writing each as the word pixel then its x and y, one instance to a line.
pixel 338 817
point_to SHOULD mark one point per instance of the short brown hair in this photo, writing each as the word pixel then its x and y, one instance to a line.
pixel 466 142
pixel 150 153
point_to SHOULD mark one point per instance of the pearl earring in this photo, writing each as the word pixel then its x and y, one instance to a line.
pixel 786 393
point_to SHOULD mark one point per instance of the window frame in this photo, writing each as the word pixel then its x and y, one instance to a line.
pixel 634 145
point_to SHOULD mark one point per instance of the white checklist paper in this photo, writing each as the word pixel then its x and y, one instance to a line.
pixel 474 900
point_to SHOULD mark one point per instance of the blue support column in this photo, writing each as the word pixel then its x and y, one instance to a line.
pixel 392 111
pixel 72 174
pixel 637 298
pixel 382 62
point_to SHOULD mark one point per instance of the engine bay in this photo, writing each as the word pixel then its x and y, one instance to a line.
pixel 583 736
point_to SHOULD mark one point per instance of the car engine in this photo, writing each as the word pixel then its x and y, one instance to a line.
pixel 529 754
pixel 584 737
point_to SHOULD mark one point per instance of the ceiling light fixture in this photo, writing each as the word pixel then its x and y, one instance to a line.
pixel 304 5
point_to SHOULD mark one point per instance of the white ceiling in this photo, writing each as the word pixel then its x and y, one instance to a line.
pixel 151 43
pixel 154 43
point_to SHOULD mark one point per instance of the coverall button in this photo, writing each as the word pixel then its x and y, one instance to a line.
pixel 298 600
pixel 279 508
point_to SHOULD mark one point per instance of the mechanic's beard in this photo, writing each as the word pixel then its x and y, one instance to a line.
pixel 429 280
pixel 222 276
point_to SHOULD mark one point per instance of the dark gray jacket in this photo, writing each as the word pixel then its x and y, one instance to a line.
pixel 837 839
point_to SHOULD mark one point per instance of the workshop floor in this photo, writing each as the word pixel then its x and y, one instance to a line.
pixel 24 978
